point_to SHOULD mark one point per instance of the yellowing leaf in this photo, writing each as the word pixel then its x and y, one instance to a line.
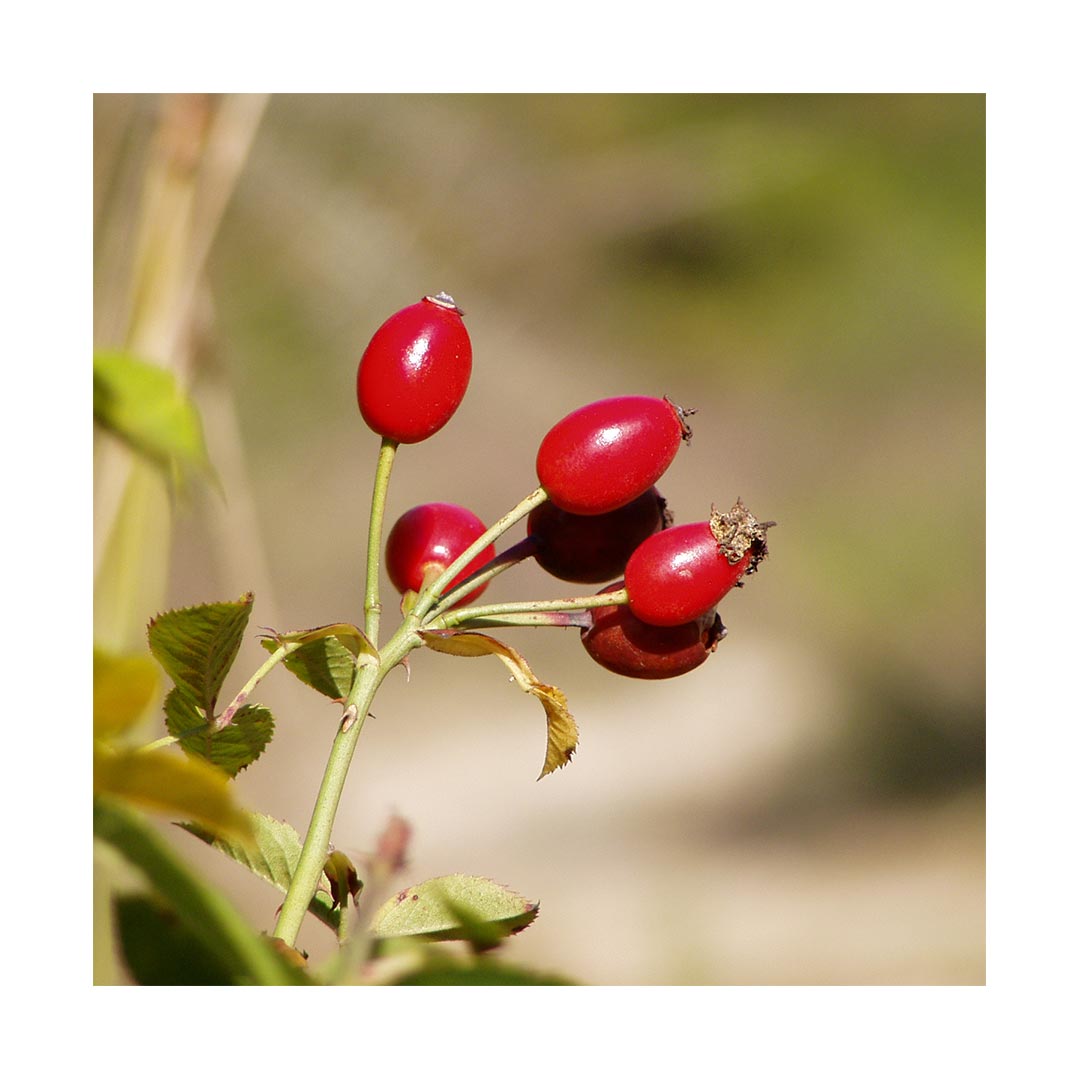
pixel 562 731
pixel 167 783
pixel 123 688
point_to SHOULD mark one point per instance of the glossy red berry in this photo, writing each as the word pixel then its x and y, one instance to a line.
pixel 619 641
pixel 592 549
pixel 415 370
pixel 681 573
pixel 428 539
pixel 603 455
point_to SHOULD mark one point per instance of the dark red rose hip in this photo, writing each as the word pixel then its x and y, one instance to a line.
pixel 415 370
pixel 679 574
pixel 619 641
pixel 431 537
pixel 592 549
pixel 606 454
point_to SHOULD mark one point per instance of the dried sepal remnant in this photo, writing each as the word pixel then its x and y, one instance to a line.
pixel 738 532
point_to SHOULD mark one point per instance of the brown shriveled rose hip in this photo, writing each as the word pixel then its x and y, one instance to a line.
pixel 619 641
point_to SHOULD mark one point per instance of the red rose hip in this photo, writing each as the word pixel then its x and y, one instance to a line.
pixel 619 641
pixel 592 549
pixel 415 370
pixel 680 574
pixel 427 539
pixel 606 454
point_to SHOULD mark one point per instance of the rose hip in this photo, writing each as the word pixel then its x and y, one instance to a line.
pixel 428 539
pixel 619 641
pixel 573 547
pixel 605 454
pixel 415 370
pixel 679 574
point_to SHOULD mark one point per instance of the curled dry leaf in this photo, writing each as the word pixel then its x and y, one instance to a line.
pixel 562 731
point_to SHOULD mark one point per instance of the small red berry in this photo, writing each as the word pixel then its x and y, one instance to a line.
pixel 427 539
pixel 681 573
pixel 606 454
pixel 415 370
pixel 619 641
pixel 592 549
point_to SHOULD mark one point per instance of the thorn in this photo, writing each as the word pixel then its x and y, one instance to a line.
pixel 348 718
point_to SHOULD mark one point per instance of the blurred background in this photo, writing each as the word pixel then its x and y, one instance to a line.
pixel 805 271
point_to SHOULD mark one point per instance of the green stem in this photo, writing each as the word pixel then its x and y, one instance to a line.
pixel 430 595
pixel 522 550
pixel 244 693
pixel 372 607
pixel 483 611
pixel 577 619
pixel 317 842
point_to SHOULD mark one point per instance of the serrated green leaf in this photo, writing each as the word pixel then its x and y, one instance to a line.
pixel 328 656
pixel 167 783
pixel 562 730
pixel 142 404
pixel 325 665
pixel 124 686
pixel 452 908
pixel 231 748
pixel 160 951
pixel 197 646
pixel 272 854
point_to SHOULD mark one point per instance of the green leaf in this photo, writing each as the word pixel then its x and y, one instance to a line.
pixel 204 911
pixel 272 854
pixel 167 783
pixel 160 951
pixel 124 686
pixel 231 748
pixel 197 645
pixel 562 730
pixel 142 404
pixel 454 908
pixel 327 657
pixel 407 962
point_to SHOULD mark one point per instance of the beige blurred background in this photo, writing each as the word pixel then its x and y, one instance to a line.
pixel 807 272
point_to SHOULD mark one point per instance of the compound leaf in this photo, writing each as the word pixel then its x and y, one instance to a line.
pixel 197 646
pixel 231 748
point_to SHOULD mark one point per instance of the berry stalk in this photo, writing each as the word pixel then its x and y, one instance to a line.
pixel 484 611
pixel 430 597
pixel 372 607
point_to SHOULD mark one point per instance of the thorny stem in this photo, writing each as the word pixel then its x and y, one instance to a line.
pixel 366 680
pixel 317 842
